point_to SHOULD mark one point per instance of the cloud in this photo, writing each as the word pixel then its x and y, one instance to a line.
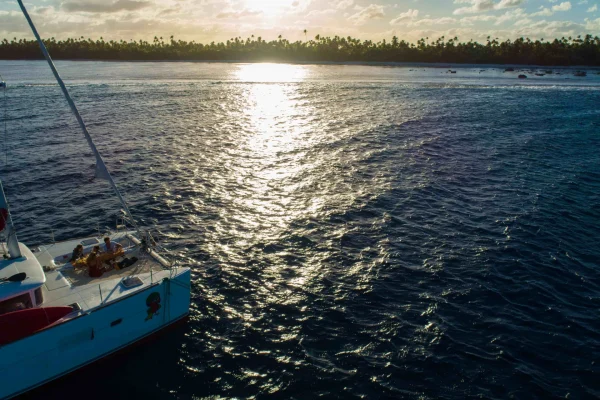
pixel 432 21
pixel 342 4
pixel 548 29
pixel 477 6
pixel 508 4
pixel 564 6
pixel 547 12
pixel 405 16
pixel 593 8
pixel 544 12
pixel 299 5
pixel 592 24
pixel 104 7
pixel 468 21
pixel 524 22
pixel 238 14
pixel 218 20
pixel 321 13
pixel 372 11
pixel 172 10
pixel 535 30
pixel 511 15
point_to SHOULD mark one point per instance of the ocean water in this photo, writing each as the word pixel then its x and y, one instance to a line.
pixel 354 231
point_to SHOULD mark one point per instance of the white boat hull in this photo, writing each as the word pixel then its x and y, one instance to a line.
pixel 65 347
pixel 112 303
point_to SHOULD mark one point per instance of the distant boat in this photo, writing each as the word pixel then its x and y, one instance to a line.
pixel 580 73
pixel 522 76
pixel 548 71
pixel 509 70
pixel 538 74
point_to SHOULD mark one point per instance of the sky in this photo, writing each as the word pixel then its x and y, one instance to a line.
pixel 218 20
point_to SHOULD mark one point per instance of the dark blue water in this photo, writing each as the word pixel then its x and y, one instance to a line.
pixel 354 232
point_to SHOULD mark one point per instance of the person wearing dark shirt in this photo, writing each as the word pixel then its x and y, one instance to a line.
pixel 77 253
pixel 94 262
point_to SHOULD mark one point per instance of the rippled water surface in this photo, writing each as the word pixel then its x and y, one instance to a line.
pixel 354 231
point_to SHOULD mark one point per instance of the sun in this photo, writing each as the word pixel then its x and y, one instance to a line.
pixel 268 7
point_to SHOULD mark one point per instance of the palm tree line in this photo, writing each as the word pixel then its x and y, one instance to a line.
pixel 564 51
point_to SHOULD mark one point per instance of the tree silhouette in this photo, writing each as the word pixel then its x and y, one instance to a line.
pixel 583 50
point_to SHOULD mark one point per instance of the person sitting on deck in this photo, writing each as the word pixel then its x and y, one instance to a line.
pixel 77 253
pixel 111 252
pixel 113 248
pixel 78 259
pixel 94 261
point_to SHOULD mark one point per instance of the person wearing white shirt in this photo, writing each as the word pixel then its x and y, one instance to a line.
pixel 110 247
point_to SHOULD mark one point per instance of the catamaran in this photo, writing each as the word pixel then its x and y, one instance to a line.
pixel 54 317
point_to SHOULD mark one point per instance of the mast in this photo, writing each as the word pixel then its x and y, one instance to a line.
pixel 6 223
pixel 101 170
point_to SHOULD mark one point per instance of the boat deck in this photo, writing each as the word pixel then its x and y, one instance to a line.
pixel 66 285
pixel 54 258
pixel 144 264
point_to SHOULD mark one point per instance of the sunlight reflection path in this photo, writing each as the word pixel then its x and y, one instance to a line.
pixel 270 72
pixel 279 130
pixel 273 161
pixel 292 150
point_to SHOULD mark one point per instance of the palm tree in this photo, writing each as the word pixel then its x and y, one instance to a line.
pixel 583 49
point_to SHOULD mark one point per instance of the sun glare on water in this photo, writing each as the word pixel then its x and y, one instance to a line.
pixel 277 129
pixel 267 72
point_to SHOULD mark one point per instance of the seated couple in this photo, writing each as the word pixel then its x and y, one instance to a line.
pixel 95 260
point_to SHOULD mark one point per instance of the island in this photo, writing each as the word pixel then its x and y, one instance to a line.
pixel 523 51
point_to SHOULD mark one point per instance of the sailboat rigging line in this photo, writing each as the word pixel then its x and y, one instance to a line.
pixel 101 169
pixel 3 86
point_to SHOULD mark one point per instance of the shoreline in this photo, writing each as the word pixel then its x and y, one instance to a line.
pixel 337 63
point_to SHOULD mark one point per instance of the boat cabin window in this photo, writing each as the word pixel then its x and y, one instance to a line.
pixel 39 297
pixel 15 304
